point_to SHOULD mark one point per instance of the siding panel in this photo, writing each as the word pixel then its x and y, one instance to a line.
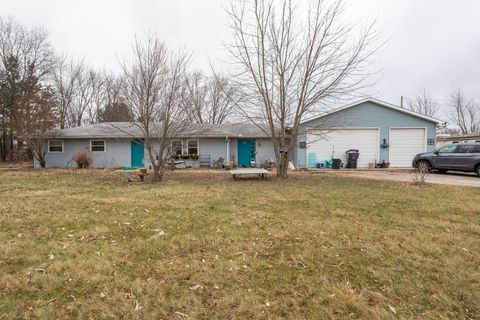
pixel 117 154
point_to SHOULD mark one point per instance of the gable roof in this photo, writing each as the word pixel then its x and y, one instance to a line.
pixel 381 103
pixel 118 130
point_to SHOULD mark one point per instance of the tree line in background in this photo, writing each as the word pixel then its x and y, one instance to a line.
pixel 463 111
pixel 41 91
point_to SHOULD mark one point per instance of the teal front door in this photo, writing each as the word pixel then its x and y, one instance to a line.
pixel 246 152
pixel 137 153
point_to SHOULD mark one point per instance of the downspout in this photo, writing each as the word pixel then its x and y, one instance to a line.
pixel 227 140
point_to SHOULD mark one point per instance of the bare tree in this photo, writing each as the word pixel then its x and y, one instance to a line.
pixel 65 81
pixel 153 82
pixel 194 99
pixel 39 119
pixel 293 62
pixel 210 99
pixel 113 89
pixel 466 113
pixel 224 98
pixel 25 61
pixel 98 95
pixel 81 92
pixel 83 96
pixel 114 108
pixel 424 104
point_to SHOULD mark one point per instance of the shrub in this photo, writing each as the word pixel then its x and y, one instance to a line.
pixel 83 158
pixel 420 176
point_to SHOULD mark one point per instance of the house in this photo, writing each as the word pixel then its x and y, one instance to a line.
pixel 120 144
pixel 379 130
pixel 443 140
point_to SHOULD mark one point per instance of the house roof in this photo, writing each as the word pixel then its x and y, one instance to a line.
pixel 119 130
pixel 381 103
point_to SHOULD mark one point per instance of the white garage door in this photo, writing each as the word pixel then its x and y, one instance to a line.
pixel 336 142
pixel 405 144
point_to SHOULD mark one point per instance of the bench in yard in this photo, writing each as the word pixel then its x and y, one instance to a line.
pixel 261 173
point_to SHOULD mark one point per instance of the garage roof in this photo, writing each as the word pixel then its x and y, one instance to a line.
pixel 381 103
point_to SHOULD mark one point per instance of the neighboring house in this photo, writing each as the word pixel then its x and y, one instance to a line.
pixel 120 144
pixel 379 130
pixel 443 140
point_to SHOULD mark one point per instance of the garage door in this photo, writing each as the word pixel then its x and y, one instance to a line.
pixel 323 144
pixel 405 144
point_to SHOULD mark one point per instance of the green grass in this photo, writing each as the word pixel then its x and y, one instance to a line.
pixel 312 247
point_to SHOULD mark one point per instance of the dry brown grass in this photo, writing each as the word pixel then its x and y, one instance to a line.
pixel 88 244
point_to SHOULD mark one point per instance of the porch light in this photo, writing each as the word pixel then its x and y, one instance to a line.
pixel 384 145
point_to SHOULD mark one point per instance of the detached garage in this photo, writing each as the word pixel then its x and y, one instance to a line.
pixel 382 132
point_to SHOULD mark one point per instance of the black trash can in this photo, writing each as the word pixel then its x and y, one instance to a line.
pixel 352 158
pixel 336 164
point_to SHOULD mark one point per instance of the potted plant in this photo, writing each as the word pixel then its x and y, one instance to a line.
pixel 194 156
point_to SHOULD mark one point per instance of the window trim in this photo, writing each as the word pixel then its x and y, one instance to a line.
pixel 181 147
pixel 104 146
pixel 63 147
pixel 198 146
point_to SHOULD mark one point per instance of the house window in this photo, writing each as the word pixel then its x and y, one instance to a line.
pixel 192 147
pixel 97 145
pixel 55 146
pixel 177 147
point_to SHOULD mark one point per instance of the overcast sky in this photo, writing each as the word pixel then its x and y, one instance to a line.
pixel 434 44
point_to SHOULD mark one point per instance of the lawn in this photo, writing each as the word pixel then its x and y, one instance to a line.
pixel 90 245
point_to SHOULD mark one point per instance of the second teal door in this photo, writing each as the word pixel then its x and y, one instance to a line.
pixel 246 152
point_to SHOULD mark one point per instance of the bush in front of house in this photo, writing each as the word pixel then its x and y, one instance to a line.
pixel 83 158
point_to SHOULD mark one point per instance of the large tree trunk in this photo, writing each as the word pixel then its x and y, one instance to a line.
pixel 3 143
pixel 282 166
pixel 12 148
pixel 157 174
pixel 4 147
pixel 39 156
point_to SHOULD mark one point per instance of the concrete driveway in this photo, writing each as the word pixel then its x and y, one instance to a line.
pixel 451 178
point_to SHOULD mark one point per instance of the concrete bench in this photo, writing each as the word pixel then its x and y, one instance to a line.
pixel 261 173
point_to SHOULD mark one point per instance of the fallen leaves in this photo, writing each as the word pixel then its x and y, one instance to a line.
pixel 196 287
pixel 392 309
pixel 138 306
